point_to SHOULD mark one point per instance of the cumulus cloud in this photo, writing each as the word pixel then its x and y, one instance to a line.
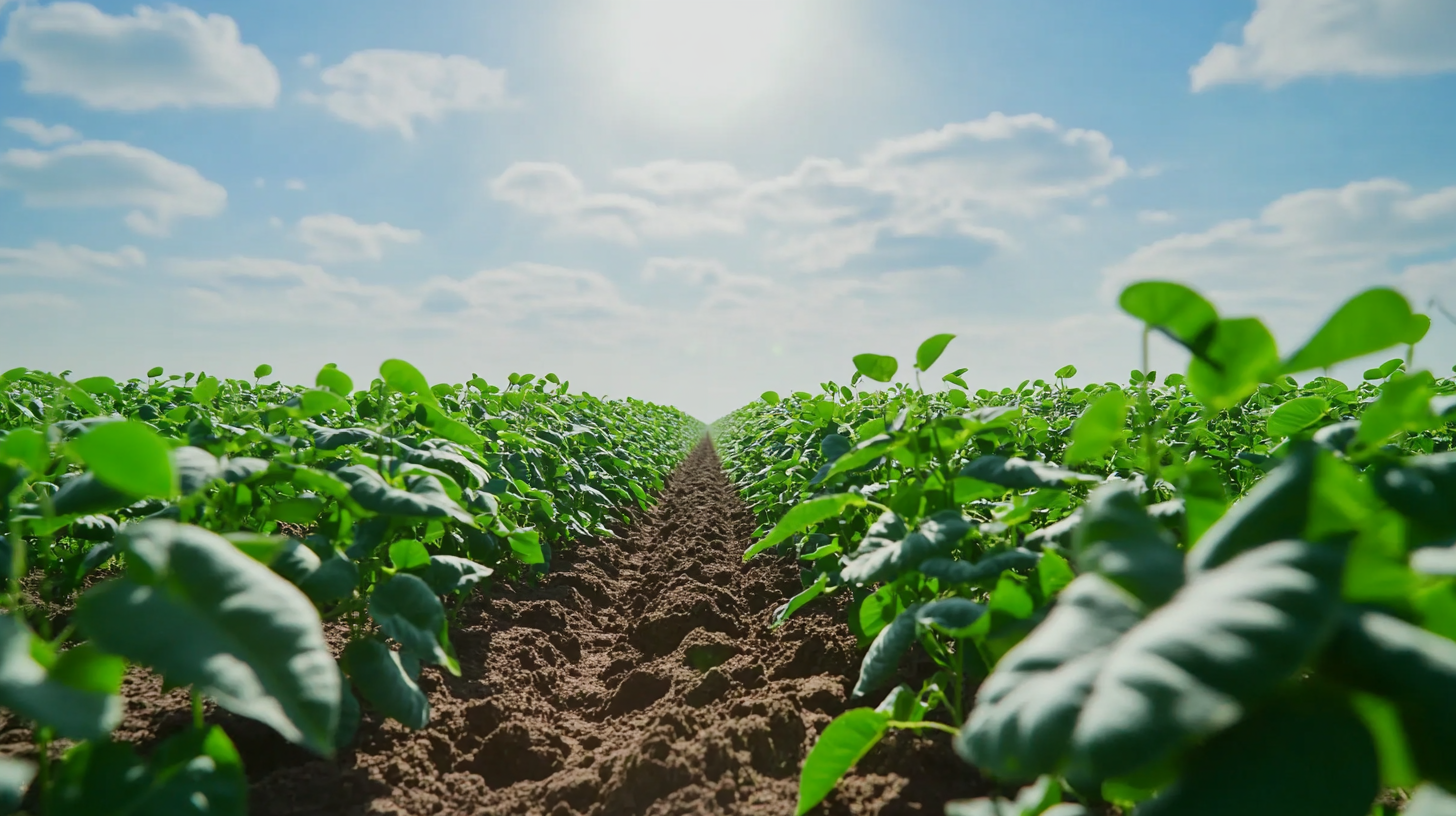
pixel 52 261
pixel 247 288
pixel 42 134
pixel 113 174
pixel 334 238
pixel 1308 250
pixel 172 57
pixel 381 88
pixel 1289 39
pixel 976 179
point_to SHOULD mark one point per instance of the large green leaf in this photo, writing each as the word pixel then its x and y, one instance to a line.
pixel 1415 670
pixel 1118 539
pixel 982 572
pixel 333 379
pixel 195 773
pixel 843 743
pixel 1026 710
pixel 406 379
pixel 884 559
pixel 381 677
pixel 1276 508
pixel 86 494
pixel 805 515
pixel 425 498
pixel 195 468
pixel 1098 429
pixel 1223 644
pixel 1021 474
pixel 200 612
pixel 1373 320
pixel 1171 308
pixel 407 610
pixel 1423 489
pixel 448 573
pixel 75 693
pixel 128 456
pixel 1296 415
pixel 930 351
pixel 883 657
pixel 878 367
pixel 1305 754
pixel 1240 355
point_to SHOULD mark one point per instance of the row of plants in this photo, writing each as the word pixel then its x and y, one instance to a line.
pixel 1228 590
pixel 207 529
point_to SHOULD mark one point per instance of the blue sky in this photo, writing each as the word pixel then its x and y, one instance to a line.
pixel 691 201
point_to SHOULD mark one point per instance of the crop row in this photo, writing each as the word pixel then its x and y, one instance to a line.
pixel 207 528
pixel 1225 591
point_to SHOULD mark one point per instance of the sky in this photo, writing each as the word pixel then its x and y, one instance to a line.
pixel 693 201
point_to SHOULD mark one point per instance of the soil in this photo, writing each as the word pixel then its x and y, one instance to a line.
pixel 640 676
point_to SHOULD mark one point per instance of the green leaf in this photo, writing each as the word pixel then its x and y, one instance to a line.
pixel 408 554
pixel 781 615
pixel 953 617
pixel 1307 754
pixel 317 401
pixel 770 397
pixel 1066 372
pixel 448 573
pixel 1225 643
pixel 1296 415
pixel 262 371
pixel 407 379
pixel 1373 320
pixel 1276 508
pixel 882 659
pixel 1118 539
pixel 26 446
pixel 195 468
pixel 843 743
pixel 200 612
pixel 206 390
pixel 1404 405
pixel 333 379
pixel 526 544
pixel 984 572
pixel 452 429
pixel 195 773
pixel 1098 429
pixel 426 497
pixel 1026 710
pixel 805 515
pixel 1021 474
pixel 100 385
pixel 86 494
pixel 884 559
pixel 75 693
pixel 1171 308
pixel 929 351
pixel 407 610
pixel 1240 354
pixel 877 367
pixel 128 456
pixel 380 676
pixel 1410 667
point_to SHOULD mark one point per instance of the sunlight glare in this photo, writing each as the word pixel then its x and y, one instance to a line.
pixel 701 58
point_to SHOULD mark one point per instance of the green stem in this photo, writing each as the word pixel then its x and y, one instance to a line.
pixel 43 771
pixel 197 722
pixel 924 724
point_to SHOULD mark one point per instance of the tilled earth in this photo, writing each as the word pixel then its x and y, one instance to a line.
pixel 638 677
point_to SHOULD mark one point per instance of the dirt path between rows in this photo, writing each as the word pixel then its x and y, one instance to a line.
pixel 638 677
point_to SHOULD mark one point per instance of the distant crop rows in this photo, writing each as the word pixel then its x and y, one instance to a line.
pixel 1225 591
pixel 207 528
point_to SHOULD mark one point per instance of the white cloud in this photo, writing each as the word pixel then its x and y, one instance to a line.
pixel 171 57
pixel 295 184
pixel 275 222
pixel 31 303
pixel 42 134
pixel 978 179
pixel 52 261
pixel 334 238
pixel 309 60
pixel 1156 217
pixel 1310 250
pixel 244 288
pixel 113 174
pixel 1289 39
pixel 525 292
pixel 391 89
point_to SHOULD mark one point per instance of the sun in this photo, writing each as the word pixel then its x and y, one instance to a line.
pixel 700 59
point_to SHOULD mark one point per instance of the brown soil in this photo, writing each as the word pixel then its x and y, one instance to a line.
pixel 639 677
